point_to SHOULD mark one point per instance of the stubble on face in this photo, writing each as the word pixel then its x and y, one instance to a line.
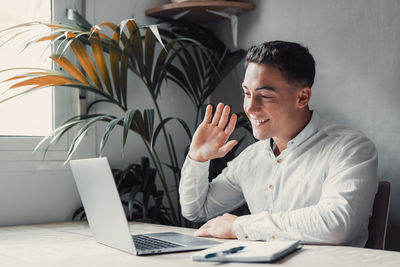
pixel 269 102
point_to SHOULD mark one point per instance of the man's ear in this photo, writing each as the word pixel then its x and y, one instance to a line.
pixel 303 96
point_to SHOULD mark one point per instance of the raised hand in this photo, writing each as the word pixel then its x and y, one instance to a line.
pixel 210 139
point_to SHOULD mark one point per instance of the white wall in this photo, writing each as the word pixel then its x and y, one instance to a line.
pixel 356 44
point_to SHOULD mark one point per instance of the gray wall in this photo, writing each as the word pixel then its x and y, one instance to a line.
pixel 172 101
pixel 356 44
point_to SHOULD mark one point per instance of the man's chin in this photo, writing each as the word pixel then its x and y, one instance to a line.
pixel 260 135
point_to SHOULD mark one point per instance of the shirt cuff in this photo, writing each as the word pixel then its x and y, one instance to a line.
pixel 239 228
pixel 245 229
pixel 197 163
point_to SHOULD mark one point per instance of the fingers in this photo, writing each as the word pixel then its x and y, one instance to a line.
pixel 208 115
pixel 218 113
pixel 221 117
pixel 227 147
pixel 231 125
pixel 224 117
pixel 203 230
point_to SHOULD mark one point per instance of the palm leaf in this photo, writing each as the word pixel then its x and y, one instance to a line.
pixel 231 62
pixel 114 63
pixel 199 59
pixel 12 37
pixel 137 45
pixel 70 68
pixel 178 76
pixel 161 125
pixel 115 29
pixel 55 135
pixel 132 198
pixel 84 60
pixel 92 104
pixel 74 16
pixel 150 43
pixel 98 54
pixel 81 133
pixel 190 68
pixel 77 212
pixel 149 123
pixel 123 78
pixel 66 27
pixel 48 38
pixel 48 80
pixel 160 63
pixel 129 116
pixel 160 66
pixel 93 90
pixel 109 128
pixel 55 139
pixel 66 43
pixel 173 168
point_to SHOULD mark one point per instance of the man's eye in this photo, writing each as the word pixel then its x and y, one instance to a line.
pixel 265 96
pixel 245 94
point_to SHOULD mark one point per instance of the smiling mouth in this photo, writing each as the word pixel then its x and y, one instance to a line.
pixel 259 122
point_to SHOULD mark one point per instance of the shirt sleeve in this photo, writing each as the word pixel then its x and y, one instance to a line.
pixel 201 200
pixel 342 211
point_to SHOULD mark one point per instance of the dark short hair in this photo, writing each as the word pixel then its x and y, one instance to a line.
pixel 293 60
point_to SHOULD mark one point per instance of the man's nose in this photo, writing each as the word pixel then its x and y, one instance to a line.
pixel 252 104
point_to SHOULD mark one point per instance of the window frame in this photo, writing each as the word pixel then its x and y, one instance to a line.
pixel 66 103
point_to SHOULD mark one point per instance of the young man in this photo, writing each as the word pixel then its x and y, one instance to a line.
pixel 305 179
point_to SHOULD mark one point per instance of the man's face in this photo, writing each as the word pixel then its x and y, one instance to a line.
pixel 269 102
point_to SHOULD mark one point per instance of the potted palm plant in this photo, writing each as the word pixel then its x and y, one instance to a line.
pixel 103 64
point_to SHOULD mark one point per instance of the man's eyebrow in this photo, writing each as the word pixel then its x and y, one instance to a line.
pixel 265 88
pixel 261 88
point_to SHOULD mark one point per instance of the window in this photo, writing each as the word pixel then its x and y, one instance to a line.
pixel 51 107
pixel 31 115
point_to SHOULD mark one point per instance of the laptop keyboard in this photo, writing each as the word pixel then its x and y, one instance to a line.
pixel 143 242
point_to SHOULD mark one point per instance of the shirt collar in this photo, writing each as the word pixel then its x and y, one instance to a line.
pixel 311 128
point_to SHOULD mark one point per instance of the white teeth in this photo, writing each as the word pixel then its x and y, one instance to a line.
pixel 253 118
pixel 257 121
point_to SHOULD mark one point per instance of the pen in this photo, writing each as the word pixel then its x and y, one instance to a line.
pixel 224 252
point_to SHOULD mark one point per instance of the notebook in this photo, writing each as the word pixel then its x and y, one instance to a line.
pixel 248 251
pixel 106 217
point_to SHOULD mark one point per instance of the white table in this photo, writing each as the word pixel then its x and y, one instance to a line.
pixel 72 244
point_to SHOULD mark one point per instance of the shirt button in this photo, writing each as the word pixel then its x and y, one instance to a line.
pixel 246 236
pixel 271 186
pixel 279 160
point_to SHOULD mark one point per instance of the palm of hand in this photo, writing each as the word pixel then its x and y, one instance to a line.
pixel 210 139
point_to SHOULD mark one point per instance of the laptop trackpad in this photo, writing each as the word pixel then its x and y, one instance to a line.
pixel 182 239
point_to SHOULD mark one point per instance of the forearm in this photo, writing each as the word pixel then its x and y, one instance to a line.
pixel 314 224
pixel 193 189
pixel 201 200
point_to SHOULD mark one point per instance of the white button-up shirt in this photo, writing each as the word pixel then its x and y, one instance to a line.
pixel 320 189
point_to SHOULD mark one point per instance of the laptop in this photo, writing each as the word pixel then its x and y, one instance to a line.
pixel 106 216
